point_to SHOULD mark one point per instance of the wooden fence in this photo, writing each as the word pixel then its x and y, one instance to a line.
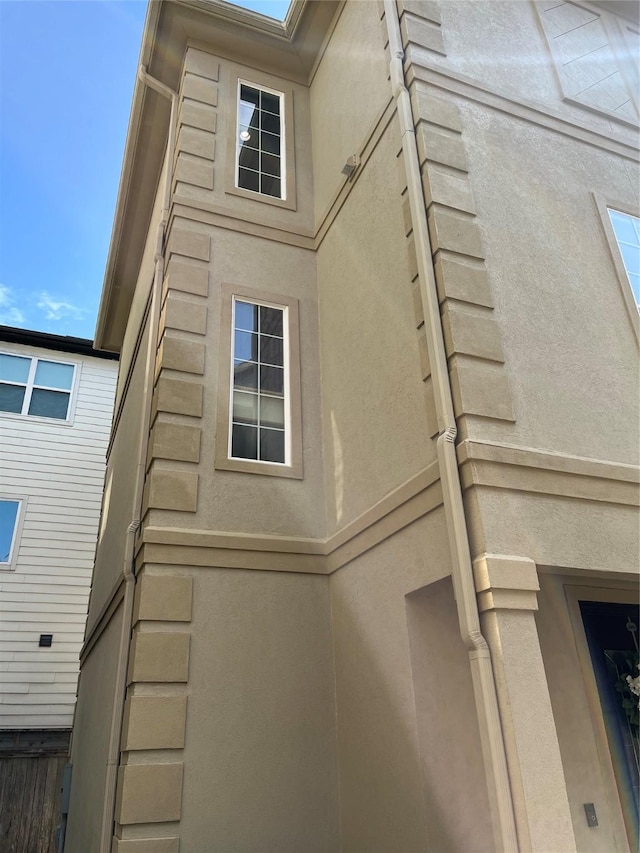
pixel 30 795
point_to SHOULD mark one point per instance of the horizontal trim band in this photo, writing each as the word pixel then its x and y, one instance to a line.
pixel 527 470
pixel 538 114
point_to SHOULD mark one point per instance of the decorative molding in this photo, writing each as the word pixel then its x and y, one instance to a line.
pixel 208 549
pixel 524 469
pixel 473 341
pixel 505 582
pixel 472 90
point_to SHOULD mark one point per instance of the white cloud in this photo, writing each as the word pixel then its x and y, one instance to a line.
pixel 9 314
pixel 58 309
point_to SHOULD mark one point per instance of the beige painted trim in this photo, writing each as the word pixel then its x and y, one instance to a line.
pixel 275 84
pixel 220 216
pixel 612 592
pixel 410 501
pixel 103 618
pixel 523 469
pixel 538 114
pixel 248 466
pixel 602 205
pixel 371 139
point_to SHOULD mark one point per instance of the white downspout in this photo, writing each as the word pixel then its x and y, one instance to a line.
pixel 484 688
pixel 113 756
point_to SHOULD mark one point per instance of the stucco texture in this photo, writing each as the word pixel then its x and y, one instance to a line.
pixel 89 747
pixel 570 349
pixel 260 752
pixel 371 382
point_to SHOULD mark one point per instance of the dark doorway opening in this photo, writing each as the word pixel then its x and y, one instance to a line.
pixel 612 632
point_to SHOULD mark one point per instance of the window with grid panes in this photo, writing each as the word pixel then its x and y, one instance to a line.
pixel 35 386
pixel 627 231
pixel 260 165
pixel 259 396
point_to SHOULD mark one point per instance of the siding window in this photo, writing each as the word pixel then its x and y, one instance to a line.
pixel 260 157
pixel 9 514
pixel 627 231
pixel 259 388
pixel 35 386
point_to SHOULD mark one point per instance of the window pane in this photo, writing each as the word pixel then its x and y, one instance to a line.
pixel 246 316
pixel 49 404
pixel 249 180
pixel 272 411
pixel 249 159
pixel 245 375
pixel 54 375
pixel 635 286
pixel 11 398
pixel 272 445
pixel 269 123
pixel 246 346
pixel 244 442
pixel 14 369
pixel 631 257
pixel 270 102
pixel 270 143
pixel 271 350
pixel 270 186
pixel 250 95
pixel 8 517
pixel 623 226
pixel 272 380
pixel 245 407
pixel 270 164
pixel 248 138
pixel 271 320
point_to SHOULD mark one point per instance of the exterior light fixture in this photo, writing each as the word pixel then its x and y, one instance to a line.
pixel 351 165
pixel 245 136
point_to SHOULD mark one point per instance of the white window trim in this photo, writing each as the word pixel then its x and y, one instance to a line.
pixel 283 141
pixel 293 465
pixel 73 392
pixel 286 383
pixel 21 500
pixel 603 206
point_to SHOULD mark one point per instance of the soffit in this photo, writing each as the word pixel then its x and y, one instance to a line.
pixel 286 49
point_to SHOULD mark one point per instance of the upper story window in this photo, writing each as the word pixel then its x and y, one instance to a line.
pixel 627 231
pixel 259 389
pixel 260 157
pixel 9 516
pixel 36 387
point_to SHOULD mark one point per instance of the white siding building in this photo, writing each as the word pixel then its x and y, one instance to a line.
pixel 56 404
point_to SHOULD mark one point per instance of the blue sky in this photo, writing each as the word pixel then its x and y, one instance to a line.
pixel 67 69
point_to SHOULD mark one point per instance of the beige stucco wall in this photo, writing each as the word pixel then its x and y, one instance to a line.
pixel 118 510
pixel 587 767
pixel 89 747
pixel 260 753
pixel 232 501
pixel 392 748
pixel 555 531
pixel 141 292
pixel 349 90
pixel 371 383
pixel 570 349
pixel 500 44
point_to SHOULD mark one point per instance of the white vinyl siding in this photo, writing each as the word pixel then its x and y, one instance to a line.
pixel 60 468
